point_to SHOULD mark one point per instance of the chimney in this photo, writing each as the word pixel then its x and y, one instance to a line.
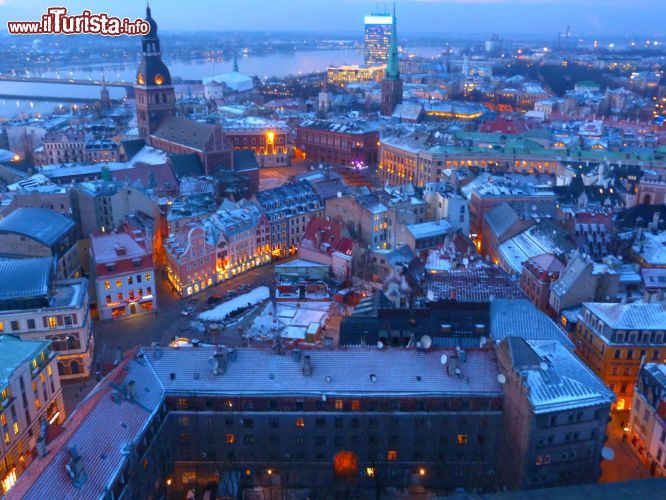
pixel 131 390
pixel 41 441
pixel 75 469
pixel 221 357
pixel 307 366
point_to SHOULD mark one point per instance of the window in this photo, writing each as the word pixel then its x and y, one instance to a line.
pixel 31 325
pixel 355 405
pixel 129 280
pixel 392 455
pixel 300 423
pixel 339 405
pixel 147 276
pixel 248 439
pixel 230 438
pixel 185 437
pixel 248 423
pixel 182 404
pixel 52 322
pixel 119 283
pixel 462 439
pixel 107 284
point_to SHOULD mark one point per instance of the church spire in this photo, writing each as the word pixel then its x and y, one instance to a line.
pixel 392 65
pixel 235 61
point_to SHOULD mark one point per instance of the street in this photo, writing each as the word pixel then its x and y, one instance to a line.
pixel 626 465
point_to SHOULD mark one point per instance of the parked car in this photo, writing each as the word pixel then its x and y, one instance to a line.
pixel 187 311
pixel 230 294
pixel 244 288
pixel 214 299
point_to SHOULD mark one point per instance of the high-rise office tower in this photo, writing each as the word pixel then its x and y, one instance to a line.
pixel 377 38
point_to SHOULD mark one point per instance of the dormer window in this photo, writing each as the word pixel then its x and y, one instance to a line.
pixel 159 79
pixel 139 79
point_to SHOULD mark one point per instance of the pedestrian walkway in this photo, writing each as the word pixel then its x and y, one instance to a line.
pixel 626 465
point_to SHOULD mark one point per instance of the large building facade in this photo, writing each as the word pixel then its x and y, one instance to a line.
pixel 341 143
pixel 376 39
pixel 31 399
pixel 34 306
pixel 615 339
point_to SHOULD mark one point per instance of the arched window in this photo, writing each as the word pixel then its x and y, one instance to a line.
pixel 647 199
pixel 74 365
pixel 61 369
pixel 57 343
pixel 71 342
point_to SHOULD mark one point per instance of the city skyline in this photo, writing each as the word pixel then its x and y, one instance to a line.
pixel 592 17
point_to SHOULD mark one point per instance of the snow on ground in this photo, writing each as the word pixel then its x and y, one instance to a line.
pixel 291 319
pixel 220 312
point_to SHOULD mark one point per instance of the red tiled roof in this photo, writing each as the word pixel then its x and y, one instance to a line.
pixel 329 233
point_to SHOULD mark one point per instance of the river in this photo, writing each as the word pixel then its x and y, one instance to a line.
pixel 280 64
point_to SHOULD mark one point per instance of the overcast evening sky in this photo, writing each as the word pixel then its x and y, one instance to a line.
pixel 596 17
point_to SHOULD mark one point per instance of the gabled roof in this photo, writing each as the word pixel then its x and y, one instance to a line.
pixel 189 133
pixel 186 165
pixel 39 224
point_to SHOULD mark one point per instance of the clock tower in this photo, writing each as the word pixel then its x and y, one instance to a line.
pixel 153 89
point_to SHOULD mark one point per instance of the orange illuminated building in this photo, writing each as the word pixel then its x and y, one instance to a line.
pixel 614 339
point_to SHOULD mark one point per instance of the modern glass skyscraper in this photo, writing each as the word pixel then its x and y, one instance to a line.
pixel 377 37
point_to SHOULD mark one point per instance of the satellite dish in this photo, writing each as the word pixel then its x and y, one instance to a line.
pixel 380 345
pixel 339 194
pixel 418 344
pixel 426 342
pixel 483 341
pixel 443 359
pixel 465 261
pixel 213 364
pixel 544 366
pixel 501 378
pixel 607 453
pixel 323 397
pixel 430 295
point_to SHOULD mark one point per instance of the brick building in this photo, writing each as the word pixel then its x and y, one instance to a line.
pixel 342 143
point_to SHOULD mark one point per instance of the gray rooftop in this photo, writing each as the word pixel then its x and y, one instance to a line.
pixel 520 318
pixel 25 278
pixel 261 371
pixel 634 316
pixel 565 383
pixel 40 224
pixel 14 352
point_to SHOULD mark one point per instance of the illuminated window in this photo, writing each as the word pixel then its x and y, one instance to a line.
pixel 49 370
pixel 148 276
pixel 462 439
pixel 38 403
pixel 3 419
pixel 42 377
pixel 300 422
pixel 16 428
pixel 370 471
pixel 338 404
pixel 392 455
pixel 120 296
pixel 107 284
pixel 355 404
pixel 7 437
pixel 231 438
pixel 53 322
pixel 139 79
pixel 159 79
pixel 119 283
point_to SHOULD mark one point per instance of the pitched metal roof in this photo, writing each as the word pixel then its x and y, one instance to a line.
pixel 38 224
pixel 23 278
pixel 633 316
pixel 14 352
pixel 520 318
